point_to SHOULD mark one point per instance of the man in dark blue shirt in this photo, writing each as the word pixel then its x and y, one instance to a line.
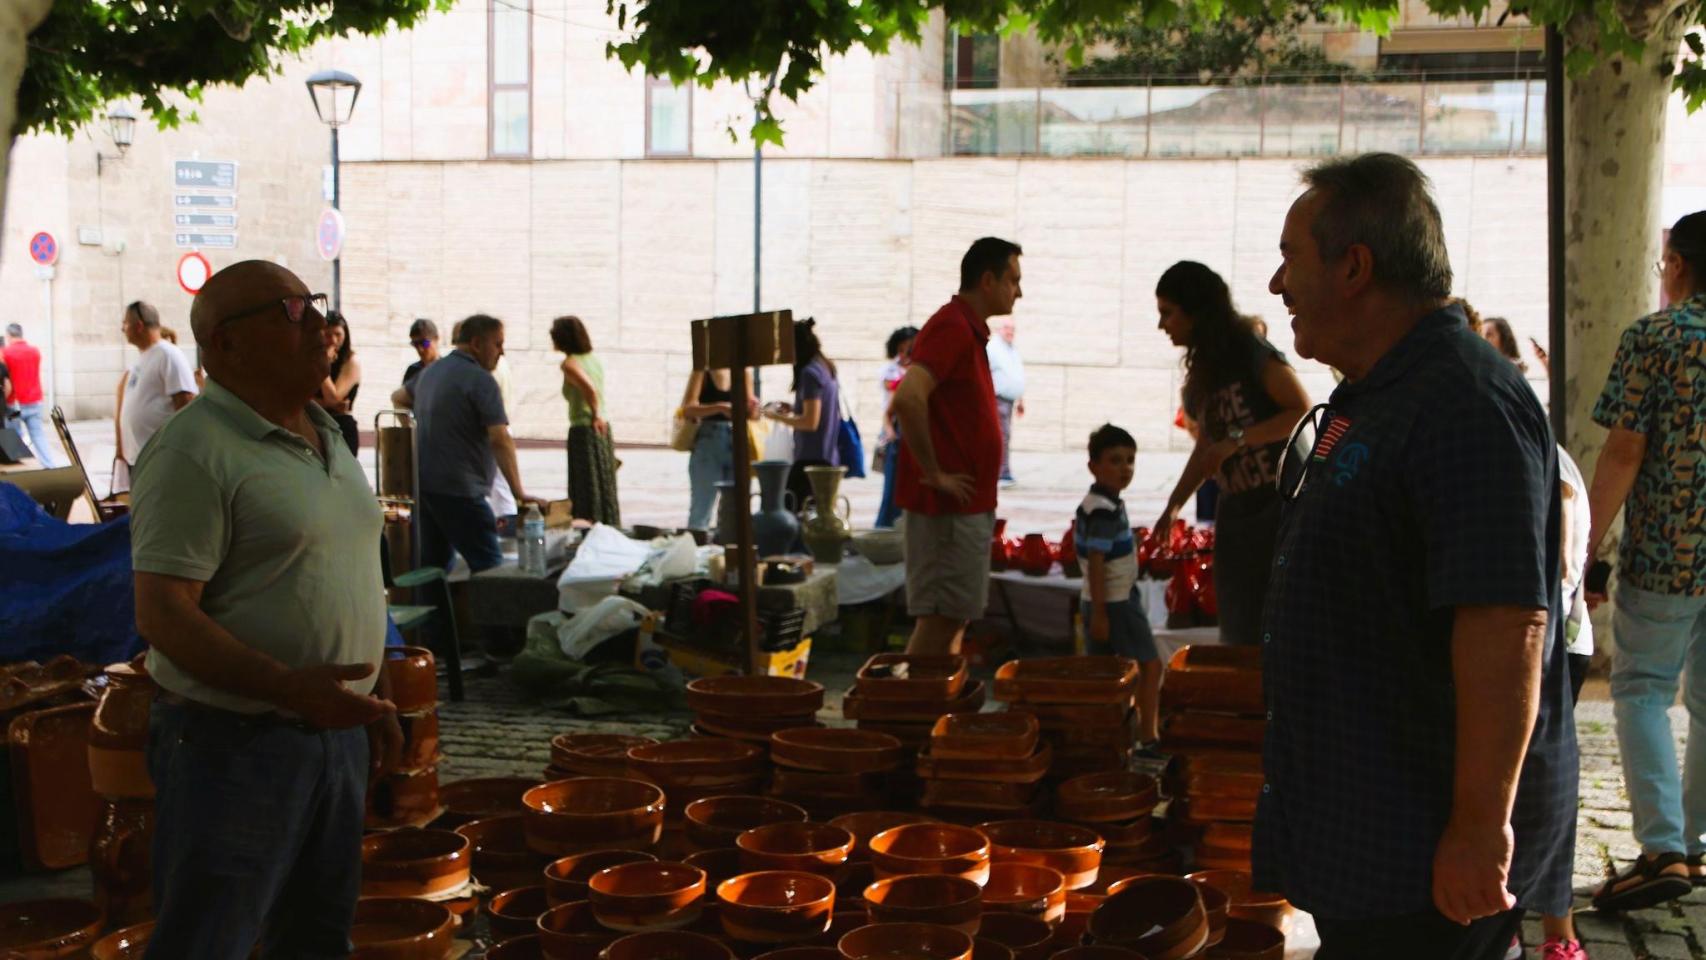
pixel 1420 759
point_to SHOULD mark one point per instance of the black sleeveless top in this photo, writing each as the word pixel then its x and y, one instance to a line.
pixel 709 392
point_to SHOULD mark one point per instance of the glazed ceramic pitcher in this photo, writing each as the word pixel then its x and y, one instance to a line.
pixel 825 532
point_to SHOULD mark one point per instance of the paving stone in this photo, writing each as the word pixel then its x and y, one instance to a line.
pixel 1668 946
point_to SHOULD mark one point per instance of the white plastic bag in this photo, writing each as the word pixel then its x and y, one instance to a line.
pixel 779 443
pixel 587 629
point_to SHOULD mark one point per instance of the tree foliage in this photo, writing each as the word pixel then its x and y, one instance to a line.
pixel 88 53
pixel 1268 42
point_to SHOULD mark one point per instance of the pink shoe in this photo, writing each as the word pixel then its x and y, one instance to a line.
pixel 1562 950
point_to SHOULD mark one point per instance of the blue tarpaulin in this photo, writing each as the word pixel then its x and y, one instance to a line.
pixel 64 588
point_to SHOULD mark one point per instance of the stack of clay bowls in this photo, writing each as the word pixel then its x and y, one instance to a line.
pixel 1161 918
pixel 904 694
pixel 1244 903
pixel 408 797
pixel 591 754
pixel 1213 722
pixel 584 814
pixel 391 928
pixel 835 771
pixel 984 766
pixel 752 708
pixel 121 854
pixel 1119 805
pixel 433 865
pixel 1083 706
pixel 696 768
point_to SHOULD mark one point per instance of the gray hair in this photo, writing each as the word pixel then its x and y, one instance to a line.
pixel 15 331
pixel 1381 201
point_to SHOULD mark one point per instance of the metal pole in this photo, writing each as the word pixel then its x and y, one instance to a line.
pixel 337 261
pixel 748 565
pixel 1557 342
pixel 757 255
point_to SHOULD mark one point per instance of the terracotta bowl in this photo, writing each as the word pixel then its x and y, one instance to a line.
pixel 745 696
pixel 1217 906
pixel 593 813
pixel 808 847
pixel 801 953
pixel 127 944
pixel 667 945
pixel 515 913
pixel 1111 877
pixel 414 678
pixel 501 858
pixel 1098 952
pixel 414 863
pixel 394 928
pixel 836 750
pixel 647 895
pixel 569 931
pixel 931 848
pixel 908 676
pixel 49 928
pixel 719 864
pixel 936 898
pixel 1075 851
pixel 594 754
pixel 1107 797
pixel 1249 940
pixel 868 823
pixel 1161 917
pixel 1026 888
pixel 755 730
pixel 982 949
pixel 984 736
pixel 566 878
pixel 892 941
pixel 709 762
pixel 1269 908
pixel 403 799
pixel 716 821
pixel 1028 937
pixel 482 797
pixel 529 947
pixel 775 906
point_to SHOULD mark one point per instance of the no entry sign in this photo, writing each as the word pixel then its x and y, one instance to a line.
pixel 44 250
pixel 329 235
pixel 193 271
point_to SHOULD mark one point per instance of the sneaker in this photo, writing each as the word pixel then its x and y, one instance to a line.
pixel 1008 483
pixel 1647 882
pixel 1556 949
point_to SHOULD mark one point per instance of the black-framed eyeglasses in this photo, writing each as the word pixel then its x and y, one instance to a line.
pixel 296 308
pixel 421 344
pixel 1299 453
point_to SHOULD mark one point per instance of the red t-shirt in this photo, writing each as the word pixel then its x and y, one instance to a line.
pixel 24 363
pixel 964 426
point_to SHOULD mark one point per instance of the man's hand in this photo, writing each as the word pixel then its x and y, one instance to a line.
pixel 1471 867
pixel 956 485
pixel 318 695
pixel 1099 622
pixel 384 746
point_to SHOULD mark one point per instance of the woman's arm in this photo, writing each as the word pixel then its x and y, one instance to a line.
pixel 692 408
pixel 1282 385
pixel 575 378
pixel 334 392
pixel 810 414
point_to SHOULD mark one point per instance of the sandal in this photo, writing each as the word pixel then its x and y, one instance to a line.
pixel 1697 869
pixel 1647 882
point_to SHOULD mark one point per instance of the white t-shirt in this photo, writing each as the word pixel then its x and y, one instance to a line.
pixel 161 371
pixel 1577 516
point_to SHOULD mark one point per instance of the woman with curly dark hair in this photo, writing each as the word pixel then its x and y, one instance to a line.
pixel 1245 399
pixel 337 393
pixel 592 457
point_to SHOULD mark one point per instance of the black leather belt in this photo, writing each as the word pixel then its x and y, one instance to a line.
pixel 202 712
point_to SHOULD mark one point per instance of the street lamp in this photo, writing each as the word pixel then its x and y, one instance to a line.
pixel 121 128
pixel 334 93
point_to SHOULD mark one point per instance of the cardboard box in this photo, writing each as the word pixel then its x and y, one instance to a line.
pixel 557 513
pixel 654 648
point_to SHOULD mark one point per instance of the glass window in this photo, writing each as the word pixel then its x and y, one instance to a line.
pixel 510 21
pixel 509 123
pixel 669 118
pixel 510 73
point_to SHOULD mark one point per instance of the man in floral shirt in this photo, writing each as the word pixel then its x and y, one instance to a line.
pixel 1653 467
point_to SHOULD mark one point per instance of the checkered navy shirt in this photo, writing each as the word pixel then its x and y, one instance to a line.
pixel 1438 488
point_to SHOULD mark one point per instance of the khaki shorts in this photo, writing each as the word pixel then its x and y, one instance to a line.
pixel 947 564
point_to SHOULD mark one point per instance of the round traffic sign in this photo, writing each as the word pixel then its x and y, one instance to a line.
pixel 329 235
pixel 44 249
pixel 193 271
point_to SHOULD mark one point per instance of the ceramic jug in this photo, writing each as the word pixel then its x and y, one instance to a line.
pixel 118 735
pixel 826 533
pixel 998 546
pixel 121 860
pixel 1035 558
pixel 774 526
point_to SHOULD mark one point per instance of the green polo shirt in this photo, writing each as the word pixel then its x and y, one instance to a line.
pixel 286 542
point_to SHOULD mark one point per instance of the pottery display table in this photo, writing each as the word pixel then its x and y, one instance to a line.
pixel 1039 611
pixel 501 600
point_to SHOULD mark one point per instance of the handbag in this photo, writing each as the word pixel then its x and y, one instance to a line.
pixel 683 431
pixel 849 447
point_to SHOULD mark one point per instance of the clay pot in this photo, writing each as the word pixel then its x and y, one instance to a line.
pixel 715 822
pixel 529 947
pixel 48 929
pixel 866 824
pixel 1161 917
pixel 805 847
pixel 1091 679
pixel 836 750
pixel 1000 557
pixel 502 859
pixel 801 953
pixel 390 928
pixel 569 931
pixel 594 754
pixel 754 730
pixel 1107 797
pixel 755 696
pixel 984 736
pixel 931 848
pixel 775 906
pixel 719 865
pixel 1028 937
pixel 936 898
pixel 480 797
pixel 666 945
pixel 982 949
pixel 1200 680
pixel 403 799
pixel 118 735
pixel 1246 904
pixel 420 740
pixel 881 941
pixel 1026 888
pixel 1035 558
pixel 515 913
pixel 566 878
pixel 414 863
pixel 856 706
pixel 1249 940
pixel 121 858
pixel 129 943
pixel 1217 906
pixel 714 762
pixel 593 813
pixel 1074 851
pixel 56 806
pixel 912 676
pixel 646 895
pixel 414 678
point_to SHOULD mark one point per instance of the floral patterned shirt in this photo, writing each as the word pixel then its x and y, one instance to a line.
pixel 1657 388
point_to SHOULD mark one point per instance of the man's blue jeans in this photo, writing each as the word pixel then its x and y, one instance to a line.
pixel 462 524
pixel 1661 639
pixel 257 835
pixel 34 416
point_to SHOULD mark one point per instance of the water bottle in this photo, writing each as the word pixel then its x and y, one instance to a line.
pixel 532 547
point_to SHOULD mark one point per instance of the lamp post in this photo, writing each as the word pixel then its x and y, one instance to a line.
pixel 121 128
pixel 334 93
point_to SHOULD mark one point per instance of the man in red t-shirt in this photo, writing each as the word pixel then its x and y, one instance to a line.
pixel 950 460
pixel 26 401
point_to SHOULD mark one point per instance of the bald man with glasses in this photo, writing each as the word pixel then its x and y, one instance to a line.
pixel 255 547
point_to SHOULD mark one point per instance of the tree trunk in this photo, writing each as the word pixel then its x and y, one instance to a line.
pixel 17 19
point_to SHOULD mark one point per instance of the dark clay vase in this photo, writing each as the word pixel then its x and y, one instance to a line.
pixel 118 735
pixel 774 526
pixel 121 860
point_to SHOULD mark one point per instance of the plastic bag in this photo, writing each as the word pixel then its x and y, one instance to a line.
pixel 779 443
pixel 610 617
